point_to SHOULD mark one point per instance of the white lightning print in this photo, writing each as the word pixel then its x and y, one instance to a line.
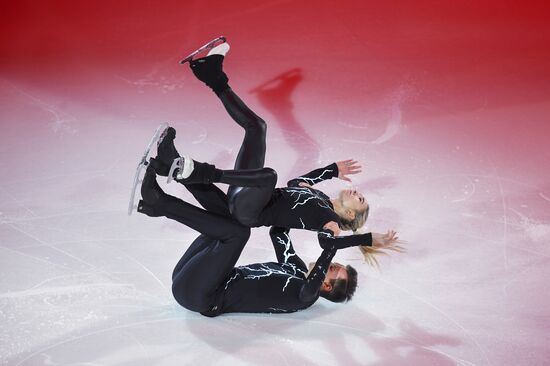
pixel 231 279
pixel 287 253
pixel 266 271
pixel 294 268
pixel 302 221
pixel 301 192
pixel 316 179
pixel 324 204
pixel 326 234
pixel 281 310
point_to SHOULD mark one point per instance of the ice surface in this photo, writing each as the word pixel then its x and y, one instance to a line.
pixel 446 108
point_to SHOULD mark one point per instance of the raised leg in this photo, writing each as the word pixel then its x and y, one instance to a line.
pixel 210 258
pixel 248 192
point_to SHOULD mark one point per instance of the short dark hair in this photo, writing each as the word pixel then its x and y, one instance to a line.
pixel 342 290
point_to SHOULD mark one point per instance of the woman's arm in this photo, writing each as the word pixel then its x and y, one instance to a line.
pixel 315 176
pixel 284 250
pixel 340 169
pixel 327 239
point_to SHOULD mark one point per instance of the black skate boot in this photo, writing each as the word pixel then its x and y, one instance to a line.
pixel 166 152
pixel 209 69
pixel 151 194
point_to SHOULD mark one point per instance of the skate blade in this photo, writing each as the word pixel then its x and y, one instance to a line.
pixel 213 43
pixel 143 164
pixel 132 206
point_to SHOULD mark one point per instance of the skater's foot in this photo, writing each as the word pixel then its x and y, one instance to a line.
pixel 151 192
pixel 209 69
pixel 187 171
pixel 166 152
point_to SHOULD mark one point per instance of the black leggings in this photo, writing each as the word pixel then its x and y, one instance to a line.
pixel 200 272
pixel 250 184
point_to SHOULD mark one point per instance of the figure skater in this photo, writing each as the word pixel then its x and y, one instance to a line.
pixel 253 199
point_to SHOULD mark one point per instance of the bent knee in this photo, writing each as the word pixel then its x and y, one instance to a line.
pixel 260 123
pixel 271 175
pixel 246 220
pixel 257 124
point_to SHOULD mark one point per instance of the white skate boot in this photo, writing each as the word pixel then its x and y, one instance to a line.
pixel 181 168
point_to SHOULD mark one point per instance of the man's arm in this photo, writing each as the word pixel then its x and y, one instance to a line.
pixel 330 245
pixel 312 285
pixel 284 250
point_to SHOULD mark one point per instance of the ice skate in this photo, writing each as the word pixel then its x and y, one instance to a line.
pixel 166 152
pixel 186 170
pixel 143 163
pixel 209 69
pixel 151 193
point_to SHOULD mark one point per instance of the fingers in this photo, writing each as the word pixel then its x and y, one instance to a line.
pixel 350 164
pixel 353 171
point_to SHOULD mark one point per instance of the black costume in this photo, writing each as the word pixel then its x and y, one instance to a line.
pixel 204 279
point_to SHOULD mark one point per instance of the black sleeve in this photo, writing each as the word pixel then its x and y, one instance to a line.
pixel 284 250
pixel 328 240
pixel 315 176
pixel 312 285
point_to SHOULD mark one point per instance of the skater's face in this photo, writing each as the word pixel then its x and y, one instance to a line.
pixel 353 200
pixel 335 271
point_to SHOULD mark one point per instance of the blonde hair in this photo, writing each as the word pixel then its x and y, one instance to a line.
pixel 371 253
pixel 357 222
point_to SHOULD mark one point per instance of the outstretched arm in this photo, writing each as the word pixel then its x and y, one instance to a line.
pixel 339 169
pixel 327 239
pixel 284 249
pixel 315 176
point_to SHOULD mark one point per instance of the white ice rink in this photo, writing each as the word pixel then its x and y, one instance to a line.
pixel 461 176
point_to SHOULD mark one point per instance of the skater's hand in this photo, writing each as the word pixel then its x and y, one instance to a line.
pixel 304 184
pixel 347 167
pixel 333 226
pixel 389 241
